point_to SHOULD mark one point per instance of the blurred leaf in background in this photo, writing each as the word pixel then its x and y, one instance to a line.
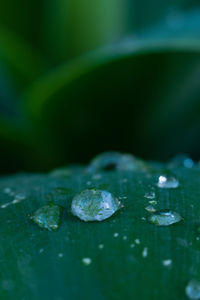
pixel 87 77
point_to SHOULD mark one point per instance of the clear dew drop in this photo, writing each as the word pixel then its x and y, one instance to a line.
pixel 167 182
pixel 48 216
pixel 150 208
pixel 150 195
pixel 110 161
pixel 94 205
pixel 86 261
pixel 193 289
pixel 165 218
pixel 167 262
pixel 145 252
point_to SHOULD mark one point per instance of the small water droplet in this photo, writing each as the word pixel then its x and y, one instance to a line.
pixel 101 246
pixel 124 237
pixel 167 262
pixel 132 245
pixel 116 234
pixel 153 202
pixel 94 205
pixel 41 250
pixel 193 289
pixel 87 261
pixel 150 195
pixel 167 182
pixel 109 161
pixel 165 217
pixel 145 252
pixel 150 208
pixel 137 241
pixel 60 255
pixel 48 216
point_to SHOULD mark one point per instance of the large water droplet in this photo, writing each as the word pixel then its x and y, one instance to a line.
pixel 48 216
pixel 181 160
pixel 193 289
pixel 165 217
pixel 167 182
pixel 94 205
pixel 109 161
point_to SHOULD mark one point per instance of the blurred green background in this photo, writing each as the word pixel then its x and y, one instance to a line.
pixel 81 77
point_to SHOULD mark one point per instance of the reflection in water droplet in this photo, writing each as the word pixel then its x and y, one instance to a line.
pixel 94 205
pixel 109 161
pixel 137 241
pixel 150 195
pixel 116 234
pixel 193 289
pixel 165 218
pixel 48 216
pixel 167 182
pixel 86 261
pixel 150 208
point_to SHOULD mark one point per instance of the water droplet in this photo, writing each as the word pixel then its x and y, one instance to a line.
pixel 150 208
pixel 165 217
pixel 101 246
pixel 87 261
pixel 181 160
pixel 124 237
pixel 193 289
pixel 41 250
pixel 48 216
pixel 167 262
pixel 132 245
pixel 60 255
pixel 94 205
pixel 150 195
pixel 137 241
pixel 153 202
pixel 116 234
pixel 109 161
pixel 145 252
pixel 167 182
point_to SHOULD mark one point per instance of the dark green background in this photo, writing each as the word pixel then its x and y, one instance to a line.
pixel 81 77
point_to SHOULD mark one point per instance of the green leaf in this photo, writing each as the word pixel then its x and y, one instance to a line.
pixel 131 96
pixel 22 61
pixel 77 27
pixel 127 254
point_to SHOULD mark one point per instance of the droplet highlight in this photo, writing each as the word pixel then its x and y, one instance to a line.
pixel 165 218
pixel 94 205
